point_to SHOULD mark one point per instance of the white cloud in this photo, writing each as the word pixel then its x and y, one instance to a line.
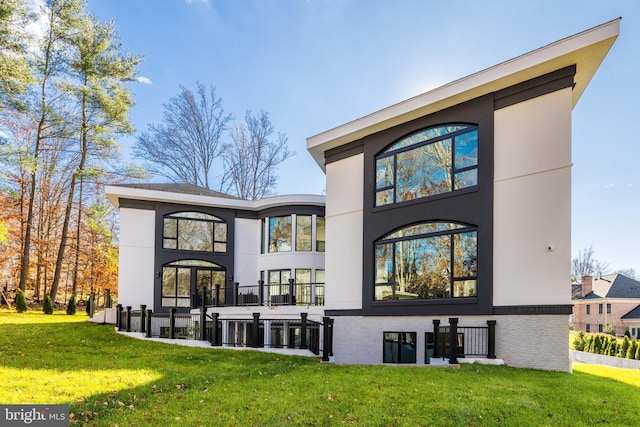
pixel 197 1
pixel 144 80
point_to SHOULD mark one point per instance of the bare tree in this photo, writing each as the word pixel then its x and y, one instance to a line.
pixel 586 265
pixel 250 161
pixel 628 272
pixel 185 146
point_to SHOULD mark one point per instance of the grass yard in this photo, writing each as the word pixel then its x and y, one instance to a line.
pixel 109 380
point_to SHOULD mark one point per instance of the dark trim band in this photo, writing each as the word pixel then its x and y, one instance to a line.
pixel 520 310
pixel 343 152
pixel 548 83
pixel 339 313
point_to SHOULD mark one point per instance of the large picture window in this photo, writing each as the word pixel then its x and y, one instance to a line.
pixel 194 231
pixel 428 162
pixel 426 261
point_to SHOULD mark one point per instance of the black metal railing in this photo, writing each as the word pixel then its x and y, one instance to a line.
pixel 455 341
pixel 261 294
pixel 255 332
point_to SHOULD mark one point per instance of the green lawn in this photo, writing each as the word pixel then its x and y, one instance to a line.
pixel 109 380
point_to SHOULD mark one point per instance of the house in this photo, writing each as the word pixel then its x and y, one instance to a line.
pixel 435 209
pixel 183 247
pixel 613 300
pixel 451 204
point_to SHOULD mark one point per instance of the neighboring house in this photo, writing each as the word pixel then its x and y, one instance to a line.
pixel 612 299
pixel 452 206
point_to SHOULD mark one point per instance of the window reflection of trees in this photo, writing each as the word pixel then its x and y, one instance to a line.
pixel 425 261
pixel 280 234
pixel 428 162
pixel 303 232
pixel 194 231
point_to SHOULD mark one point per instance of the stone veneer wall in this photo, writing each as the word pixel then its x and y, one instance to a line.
pixel 539 342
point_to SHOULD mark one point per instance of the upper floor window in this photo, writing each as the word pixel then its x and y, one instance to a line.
pixel 280 233
pixel 292 232
pixel 320 233
pixel 303 232
pixel 194 231
pixel 431 161
pixel 427 260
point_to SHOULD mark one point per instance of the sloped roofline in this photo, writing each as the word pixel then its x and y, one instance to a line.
pixel 586 50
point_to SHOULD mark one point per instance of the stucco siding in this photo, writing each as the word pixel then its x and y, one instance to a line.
pixel 343 258
pixel 136 257
pixel 532 201
pixel 247 247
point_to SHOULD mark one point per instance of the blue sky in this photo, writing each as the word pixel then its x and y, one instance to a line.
pixel 316 64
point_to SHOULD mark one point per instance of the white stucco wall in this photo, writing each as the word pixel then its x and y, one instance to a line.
pixel 344 221
pixel 136 275
pixel 247 247
pixel 532 201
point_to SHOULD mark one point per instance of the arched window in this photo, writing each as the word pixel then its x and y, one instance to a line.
pixel 427 260
pixel 194 231
pixel 181 279
pixel 431 161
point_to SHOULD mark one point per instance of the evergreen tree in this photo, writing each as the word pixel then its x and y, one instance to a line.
pixel 613 346
pixel 631 351
pixel 21 302
pixel 71 307
pixel 101 70
pixel 579 341
pixel 597 344
pixel 47 307
pixel 624 347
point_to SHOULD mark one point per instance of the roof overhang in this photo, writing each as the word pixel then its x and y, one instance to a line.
pixel 586 50
pixel 116 193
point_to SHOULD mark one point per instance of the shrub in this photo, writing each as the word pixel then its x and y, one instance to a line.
pixel 579 341
pixel 624 347
pixel 47 307
pixel 597 344
pixel 631 351
pixel 21 302
pixel 613 347
pixel 637 357
pixel 588 346
pixel 627 333
pixel 71 307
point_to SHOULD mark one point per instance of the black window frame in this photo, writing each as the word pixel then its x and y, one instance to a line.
pixel 453 171
pixel 448 233
pixel 588 309
pixel 401 339
pixel 470 206
pixel 183 216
